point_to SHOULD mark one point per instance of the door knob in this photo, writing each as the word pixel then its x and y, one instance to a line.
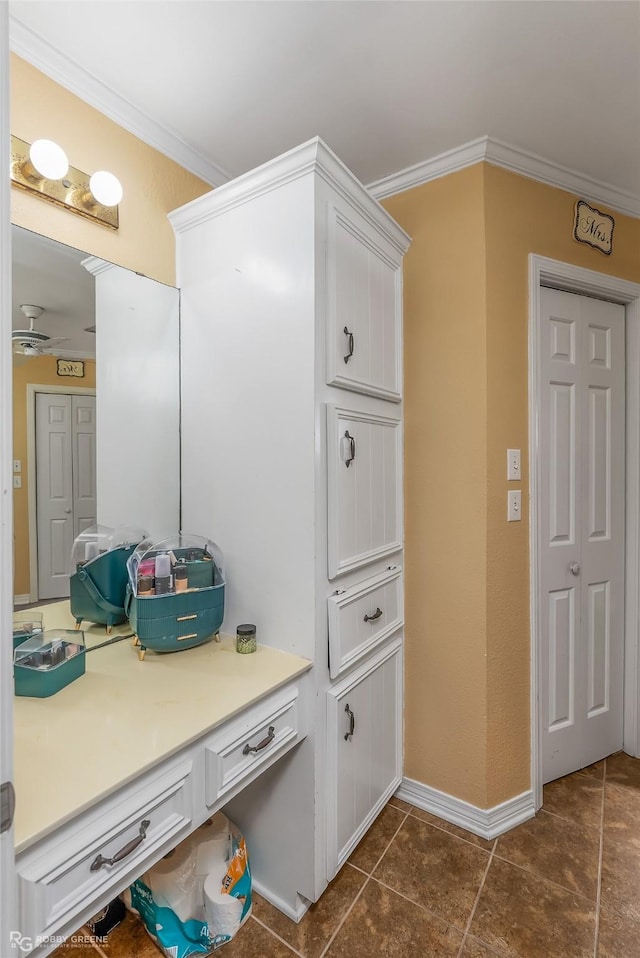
pixel 68 511
pixel 574 568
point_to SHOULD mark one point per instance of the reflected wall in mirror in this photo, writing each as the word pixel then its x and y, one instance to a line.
pixel 103 446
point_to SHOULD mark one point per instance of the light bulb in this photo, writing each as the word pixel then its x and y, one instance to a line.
pixel 106 188
pixel 48 159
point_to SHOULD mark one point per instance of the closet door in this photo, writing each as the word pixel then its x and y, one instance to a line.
pixel 365 488
pixel 364 750
pixel 364 306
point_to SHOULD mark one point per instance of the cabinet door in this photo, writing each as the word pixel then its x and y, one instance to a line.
pixel 364 456
pixel 364 750
pixel 364 306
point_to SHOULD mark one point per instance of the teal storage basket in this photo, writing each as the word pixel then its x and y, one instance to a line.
pixel 176 620
pixel 98 580
pixel 47 662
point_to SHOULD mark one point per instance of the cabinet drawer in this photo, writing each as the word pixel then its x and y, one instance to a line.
pixel 364 306
pixel 364 460
pixel 364 749
pixel 65 874
pixel 361 618
pixel 244 749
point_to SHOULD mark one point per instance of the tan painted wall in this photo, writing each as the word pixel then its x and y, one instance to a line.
pixel 43 371
pixel 521 217
pixel 445 483
pixel 467 570
pixel 153 186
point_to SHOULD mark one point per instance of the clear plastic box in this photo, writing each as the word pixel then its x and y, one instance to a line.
pixel 48 661
pixel 98 580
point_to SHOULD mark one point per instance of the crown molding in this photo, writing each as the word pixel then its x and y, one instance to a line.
pixel 497 153
pixel 60 68
pixel 95 265
pixel 441 165
pixel 312 156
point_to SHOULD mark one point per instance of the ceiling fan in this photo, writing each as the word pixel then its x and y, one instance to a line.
pixel 31 342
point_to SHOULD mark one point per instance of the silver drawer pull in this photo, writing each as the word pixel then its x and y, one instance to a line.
pixel 376 615
pixel 131 846
pixel 191 635
pixel 271 734
pixel 350 453
pixel 352 723
pixel 185 618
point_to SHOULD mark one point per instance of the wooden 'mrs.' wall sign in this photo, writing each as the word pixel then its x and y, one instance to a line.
pixel 593 227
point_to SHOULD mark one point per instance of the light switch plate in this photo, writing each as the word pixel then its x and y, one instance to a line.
pixel 513 464
pixel 17 482
pixel 17 465
pixel 514 505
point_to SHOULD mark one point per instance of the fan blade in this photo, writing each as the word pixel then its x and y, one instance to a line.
pixel 53 343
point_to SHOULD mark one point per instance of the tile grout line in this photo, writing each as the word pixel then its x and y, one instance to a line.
pixel 563 818
pixel 596 941
pixel 427 911
pixel 547 881
pixel 475 904
pixel 364 885
pixel 453 834
pixel 283 941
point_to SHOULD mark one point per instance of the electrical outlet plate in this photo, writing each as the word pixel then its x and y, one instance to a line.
pixel 17 482
pixel 514 505
pixel 513 464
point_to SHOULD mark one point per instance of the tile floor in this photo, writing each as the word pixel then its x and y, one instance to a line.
pixel 564 885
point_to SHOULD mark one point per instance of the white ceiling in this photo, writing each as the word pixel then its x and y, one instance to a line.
pixel 385 84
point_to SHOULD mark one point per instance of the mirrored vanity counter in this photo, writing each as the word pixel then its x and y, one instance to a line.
pixel 122 764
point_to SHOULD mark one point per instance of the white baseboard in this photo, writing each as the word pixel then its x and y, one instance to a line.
pixel 485 822
pixel 21 599
pixel 295 914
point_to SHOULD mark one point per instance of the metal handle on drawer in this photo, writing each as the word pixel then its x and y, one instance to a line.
pixel 350 338
pixel 352 443
pixel 271 734
pixel 191 635
pixel 352 723
pixel 185 618
pixel 131 846
pixel 376 615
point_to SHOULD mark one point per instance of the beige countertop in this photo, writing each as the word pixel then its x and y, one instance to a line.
pixel 124 716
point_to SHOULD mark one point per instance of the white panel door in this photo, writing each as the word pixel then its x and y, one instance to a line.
pixel 365 491
pixel 54 493
pixel 364 306
pixel 364 749
pixel 83 409
pixel 582 357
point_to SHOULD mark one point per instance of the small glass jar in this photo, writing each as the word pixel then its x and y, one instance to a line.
pixel 246 638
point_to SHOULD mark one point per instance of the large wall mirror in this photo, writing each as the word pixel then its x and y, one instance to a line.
pixel 96 406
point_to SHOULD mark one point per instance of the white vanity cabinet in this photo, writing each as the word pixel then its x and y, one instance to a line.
pixel 291 309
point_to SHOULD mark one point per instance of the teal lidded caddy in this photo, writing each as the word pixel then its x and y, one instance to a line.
pixel 47 662
pixel 175 593
pixel 98 575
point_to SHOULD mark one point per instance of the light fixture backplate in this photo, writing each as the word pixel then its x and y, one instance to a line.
pixel 66 192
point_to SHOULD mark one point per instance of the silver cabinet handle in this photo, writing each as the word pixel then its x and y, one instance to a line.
pixel 271 734
pixel 376 615
pixel 352 449
pixel 350 342
pixel 574 568
pixel 352 723
pixel 131 846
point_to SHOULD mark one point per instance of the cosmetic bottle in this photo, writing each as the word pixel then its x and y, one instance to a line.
pixel 164 577
pixel 181 577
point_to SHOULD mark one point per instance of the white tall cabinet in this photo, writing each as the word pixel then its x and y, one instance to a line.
pixel 291 284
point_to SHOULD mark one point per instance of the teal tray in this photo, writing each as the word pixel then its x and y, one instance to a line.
pixel 41 682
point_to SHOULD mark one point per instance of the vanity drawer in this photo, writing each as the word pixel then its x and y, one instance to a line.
pixel 242 750
pixel 60 876
pixel 362 617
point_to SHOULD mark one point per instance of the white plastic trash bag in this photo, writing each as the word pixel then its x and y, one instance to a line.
pixel 195 900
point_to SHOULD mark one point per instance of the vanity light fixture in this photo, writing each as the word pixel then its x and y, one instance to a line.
pixel 43 168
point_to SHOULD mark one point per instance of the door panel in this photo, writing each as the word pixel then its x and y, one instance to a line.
pixel 582 510
pixel 65 483
pixel 54 494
